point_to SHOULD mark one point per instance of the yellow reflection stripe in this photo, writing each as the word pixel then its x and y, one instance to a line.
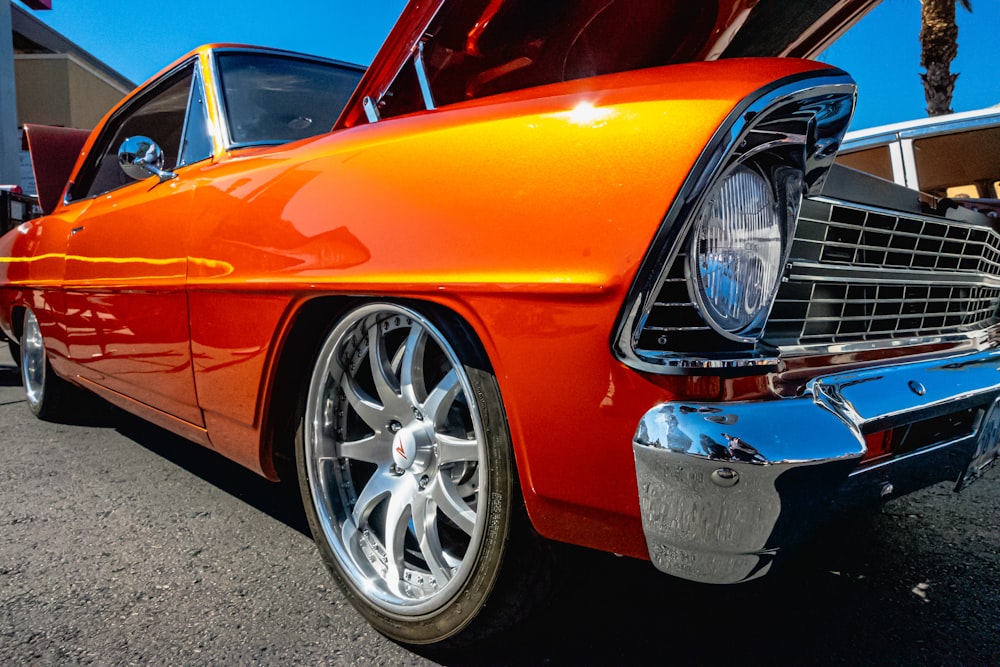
pixel 207 263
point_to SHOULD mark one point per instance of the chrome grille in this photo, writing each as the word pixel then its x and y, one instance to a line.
pixel 674 321
pixel 858 275
pixel 857 237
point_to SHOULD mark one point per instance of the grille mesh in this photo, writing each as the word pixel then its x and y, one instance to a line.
pixel 858 275
pixel 910 277
pixel 851 236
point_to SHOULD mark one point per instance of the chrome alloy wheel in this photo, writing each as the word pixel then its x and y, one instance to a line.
pixel 33 361
pixel 393 448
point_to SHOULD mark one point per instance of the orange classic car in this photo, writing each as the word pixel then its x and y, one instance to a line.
pixel 581 271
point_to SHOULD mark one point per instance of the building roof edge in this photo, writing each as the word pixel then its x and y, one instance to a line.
pixel 38 32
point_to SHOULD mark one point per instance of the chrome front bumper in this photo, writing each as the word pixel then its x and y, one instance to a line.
pixel 724 486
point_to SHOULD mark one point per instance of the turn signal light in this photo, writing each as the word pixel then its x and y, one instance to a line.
pixel 878 444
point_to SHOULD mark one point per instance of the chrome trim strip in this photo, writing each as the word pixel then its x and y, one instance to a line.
pixel 677 329
pixel 672 362
pixel 896 159
pixel 978 338
pixel 938 125
pixel 218 106
pixel 910 178
pixel 811 271
pixel 197 86
pixel 714 160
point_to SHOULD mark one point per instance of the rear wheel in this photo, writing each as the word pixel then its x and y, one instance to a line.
pixel 406 471
pixel 47 394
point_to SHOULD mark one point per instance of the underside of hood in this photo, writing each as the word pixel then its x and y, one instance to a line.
pixel 794 28
pixel 448 51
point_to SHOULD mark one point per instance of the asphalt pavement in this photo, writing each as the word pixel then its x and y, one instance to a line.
pixel 123 544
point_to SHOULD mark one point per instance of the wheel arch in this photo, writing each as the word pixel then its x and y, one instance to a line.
pixel 309 326
pixel 17 322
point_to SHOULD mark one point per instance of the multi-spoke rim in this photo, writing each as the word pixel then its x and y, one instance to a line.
pixel 393 450
pixel 32 360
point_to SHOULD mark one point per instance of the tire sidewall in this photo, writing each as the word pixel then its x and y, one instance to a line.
pixel 457 613
pixel 45 407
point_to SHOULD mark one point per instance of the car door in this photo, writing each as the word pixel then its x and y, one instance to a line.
pixel 126 258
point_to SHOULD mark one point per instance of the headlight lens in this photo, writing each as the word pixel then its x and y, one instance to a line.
pixel 738 249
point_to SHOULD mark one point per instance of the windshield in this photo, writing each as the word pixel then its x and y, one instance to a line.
pixel 273 98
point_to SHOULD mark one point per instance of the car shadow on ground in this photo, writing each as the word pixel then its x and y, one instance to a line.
pixel 280 500
pixel 875 588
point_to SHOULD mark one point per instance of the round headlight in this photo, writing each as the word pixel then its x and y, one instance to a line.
pixel 736 254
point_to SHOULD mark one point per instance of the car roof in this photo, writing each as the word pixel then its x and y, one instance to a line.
pixel 957 122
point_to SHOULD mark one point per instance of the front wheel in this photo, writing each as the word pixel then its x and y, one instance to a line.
pixel 406 472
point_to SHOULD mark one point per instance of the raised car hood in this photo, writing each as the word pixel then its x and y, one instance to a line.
pixel 793 28
pixel 53 151
pixel 476 48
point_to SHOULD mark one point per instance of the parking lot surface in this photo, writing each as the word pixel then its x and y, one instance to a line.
pixel 123 544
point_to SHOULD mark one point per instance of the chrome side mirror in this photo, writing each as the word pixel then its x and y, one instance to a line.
pixel 141 156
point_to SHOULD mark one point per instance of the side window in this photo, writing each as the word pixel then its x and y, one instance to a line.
pixel 875 161
pixel 159 114
pixel 958 163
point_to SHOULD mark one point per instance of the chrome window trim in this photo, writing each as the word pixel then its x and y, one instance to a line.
pixel 196 85
pixel 713 162
pixel 222 122
pixel 909 174
pixel 896 159
pixel 899 138
pixel 937 125
pixel 219 95
pixel 873 141
pixel 951 127
pixel 139 97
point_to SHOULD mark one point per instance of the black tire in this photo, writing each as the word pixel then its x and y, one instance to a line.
pixel 15 351
pixel 48 396
pixel 372 468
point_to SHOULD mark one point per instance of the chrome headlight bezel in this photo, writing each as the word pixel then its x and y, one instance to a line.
pixel 796 123
pixel 738 245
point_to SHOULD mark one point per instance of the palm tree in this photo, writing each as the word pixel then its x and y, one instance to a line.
pixel 939 46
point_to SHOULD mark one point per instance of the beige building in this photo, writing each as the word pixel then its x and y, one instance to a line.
pixel 57 82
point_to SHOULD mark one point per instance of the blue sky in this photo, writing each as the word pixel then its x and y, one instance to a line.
pixel 138 38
